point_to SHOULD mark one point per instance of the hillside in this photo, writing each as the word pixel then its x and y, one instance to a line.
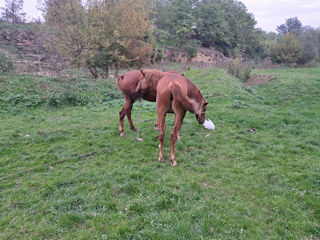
pixel 27 45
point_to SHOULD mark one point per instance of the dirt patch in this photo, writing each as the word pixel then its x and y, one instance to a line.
pixel 257 79
pixel 204 58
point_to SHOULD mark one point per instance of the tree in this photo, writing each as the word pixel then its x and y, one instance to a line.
pixel 119 33
pixel 227 26
pixel 309 39
pixel 287 51
pixel 212 26
pixel 292 25
pixel 176 17
pixel 223 24
pixel 243 36
pixel 68 20
pixel 103 33
pixel 12 12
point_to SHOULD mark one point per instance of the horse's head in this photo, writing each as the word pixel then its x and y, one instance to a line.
pixel 201 114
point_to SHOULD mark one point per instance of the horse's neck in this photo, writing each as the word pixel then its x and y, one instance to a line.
pixel 194 96
pixel 193 91
pixel 154 78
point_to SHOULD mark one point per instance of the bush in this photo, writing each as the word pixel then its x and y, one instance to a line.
pixel 240 69
pixel 111 95
pixel 67 98
pixel 6 65
pixel 22 100
pixel 191 48
pixel 156 55
pixel 287 51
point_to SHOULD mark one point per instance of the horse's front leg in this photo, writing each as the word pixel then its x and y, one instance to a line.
pixel 175 135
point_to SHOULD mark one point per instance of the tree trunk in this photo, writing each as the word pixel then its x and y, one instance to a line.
pixel 107 72
pixel 39 60
pixel 93 71
pixel 155 55
pixel 117 70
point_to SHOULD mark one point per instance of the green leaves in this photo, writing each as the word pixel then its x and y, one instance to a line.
pixel 287 51
pixel 102 33
pixel 224 25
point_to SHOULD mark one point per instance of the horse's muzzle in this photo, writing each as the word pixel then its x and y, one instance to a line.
pixel 200 121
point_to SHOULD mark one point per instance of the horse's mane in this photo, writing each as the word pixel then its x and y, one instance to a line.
pixel 193 90
pixel 154 75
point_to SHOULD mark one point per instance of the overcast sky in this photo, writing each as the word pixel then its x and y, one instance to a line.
pixel 268 13
pixel 29 7
pixel 271 13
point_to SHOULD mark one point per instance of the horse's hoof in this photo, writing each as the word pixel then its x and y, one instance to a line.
pixel 160 159
pixel 121 134
pixel 134 129
pixel 173 163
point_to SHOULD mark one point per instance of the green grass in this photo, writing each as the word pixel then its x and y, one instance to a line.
pixel 18 92
pixel 66 174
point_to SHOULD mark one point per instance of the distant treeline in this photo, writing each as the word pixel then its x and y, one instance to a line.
pixel 117 33
pixel 223 24
pixel 227 26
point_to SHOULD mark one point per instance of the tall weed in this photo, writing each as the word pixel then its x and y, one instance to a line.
pixel 240 69
pixel 6 64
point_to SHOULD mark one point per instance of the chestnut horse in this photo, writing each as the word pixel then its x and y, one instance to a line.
pixel 134 85
pixel 177 94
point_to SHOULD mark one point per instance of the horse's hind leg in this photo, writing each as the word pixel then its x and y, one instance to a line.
pixel 162 127
pixel 156 125
pixel 123 113
pixel 179 115
pixel 128 113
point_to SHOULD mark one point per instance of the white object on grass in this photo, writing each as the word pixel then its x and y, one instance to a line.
pixel 208 124
pixel 139 139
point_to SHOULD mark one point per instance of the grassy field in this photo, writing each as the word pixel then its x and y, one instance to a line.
pixel 66 174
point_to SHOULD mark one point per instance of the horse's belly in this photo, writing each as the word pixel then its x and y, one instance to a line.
pixel 170 110
pixel 149 97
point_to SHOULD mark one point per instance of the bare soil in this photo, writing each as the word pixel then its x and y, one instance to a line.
pixel 257 79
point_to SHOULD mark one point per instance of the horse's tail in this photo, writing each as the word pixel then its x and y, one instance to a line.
pixel 178 95
pixel 135 94
pixel 120 78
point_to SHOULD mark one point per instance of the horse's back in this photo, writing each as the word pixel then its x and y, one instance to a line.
pixel 173 80
pixel 128 81
pixel 169 86
pixel 176 88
